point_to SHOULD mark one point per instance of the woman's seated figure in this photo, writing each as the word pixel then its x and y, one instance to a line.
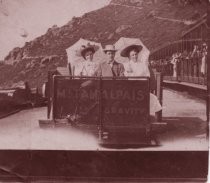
pixel 134 67
pixel 88 67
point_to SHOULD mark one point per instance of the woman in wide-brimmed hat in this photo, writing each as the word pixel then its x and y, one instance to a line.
pixel 135 67
pixel 88 67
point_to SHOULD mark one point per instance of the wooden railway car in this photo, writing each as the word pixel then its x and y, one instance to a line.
pixel 116 110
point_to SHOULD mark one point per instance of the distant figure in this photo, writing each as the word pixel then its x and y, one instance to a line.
pixel 88 67
pixel 174 61
pixel 204 58
pixel 110 67
pixel 195 58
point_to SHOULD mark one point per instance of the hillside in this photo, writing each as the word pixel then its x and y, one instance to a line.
pixel 128 18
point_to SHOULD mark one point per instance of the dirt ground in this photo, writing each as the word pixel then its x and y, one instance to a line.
pixel 186 129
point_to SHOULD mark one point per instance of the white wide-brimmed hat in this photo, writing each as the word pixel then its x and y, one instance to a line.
pixel 109 48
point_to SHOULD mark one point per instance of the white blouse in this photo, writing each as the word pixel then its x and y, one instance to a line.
pixel 136 69
pixel 85 68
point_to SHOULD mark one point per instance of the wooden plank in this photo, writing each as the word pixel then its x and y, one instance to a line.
pixel 64 71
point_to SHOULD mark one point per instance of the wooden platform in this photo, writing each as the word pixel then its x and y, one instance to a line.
pixel 197 86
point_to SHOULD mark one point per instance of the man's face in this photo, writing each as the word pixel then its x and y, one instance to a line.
pixel 110 56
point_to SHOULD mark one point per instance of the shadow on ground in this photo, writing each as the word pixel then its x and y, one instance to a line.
pixel 185 126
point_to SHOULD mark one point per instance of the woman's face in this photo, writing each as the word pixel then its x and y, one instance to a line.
pixel 89 56
pixel 133 55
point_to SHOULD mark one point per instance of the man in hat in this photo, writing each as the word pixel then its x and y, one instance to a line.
pixel 110 67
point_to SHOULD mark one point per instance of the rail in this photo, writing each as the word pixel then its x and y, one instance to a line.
pixel 183 60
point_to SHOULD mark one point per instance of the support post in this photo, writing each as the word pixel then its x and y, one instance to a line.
pixel 159 93
pixel 208 70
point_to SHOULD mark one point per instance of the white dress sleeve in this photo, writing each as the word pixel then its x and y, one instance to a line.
pixel 141 69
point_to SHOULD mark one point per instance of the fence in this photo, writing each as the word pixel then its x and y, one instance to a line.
pixel 184 60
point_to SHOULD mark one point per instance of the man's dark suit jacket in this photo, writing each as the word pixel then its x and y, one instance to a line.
pixel 105 70
pixel 118 70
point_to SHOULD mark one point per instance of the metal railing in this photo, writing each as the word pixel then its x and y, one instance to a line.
pixel 188 67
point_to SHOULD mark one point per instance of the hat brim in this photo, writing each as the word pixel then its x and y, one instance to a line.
pixel 109 50
pixel 125 51
pixel 92 48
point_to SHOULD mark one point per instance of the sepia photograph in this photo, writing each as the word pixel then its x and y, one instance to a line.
pixel 104 90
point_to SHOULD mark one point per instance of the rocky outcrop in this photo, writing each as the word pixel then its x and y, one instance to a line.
pixel 127 18
pixel 122 28
pixel 15 55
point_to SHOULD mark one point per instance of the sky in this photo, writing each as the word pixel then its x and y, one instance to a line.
pixel 24 20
